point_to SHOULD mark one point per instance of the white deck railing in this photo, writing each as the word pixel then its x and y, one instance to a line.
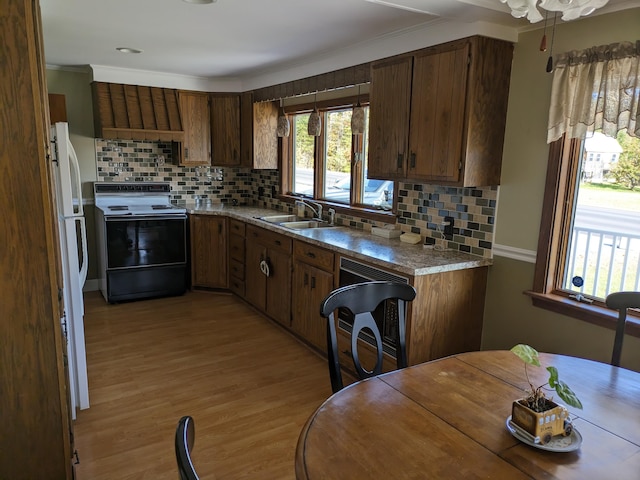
pixel 607 261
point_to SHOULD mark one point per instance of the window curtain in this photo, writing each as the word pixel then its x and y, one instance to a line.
pixel 596 89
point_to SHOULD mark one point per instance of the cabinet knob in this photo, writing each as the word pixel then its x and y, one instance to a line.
pixel 311 255
pixel 400 160
pixel 413 160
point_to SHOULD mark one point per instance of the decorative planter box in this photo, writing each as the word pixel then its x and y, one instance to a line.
pixel 542 425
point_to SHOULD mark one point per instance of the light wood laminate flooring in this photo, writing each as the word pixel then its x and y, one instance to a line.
pixel 249 385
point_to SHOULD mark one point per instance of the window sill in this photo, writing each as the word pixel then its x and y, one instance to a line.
pixel 386 216
pixel 591 313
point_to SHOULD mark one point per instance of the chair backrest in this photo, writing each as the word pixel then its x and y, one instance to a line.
pixel 362 299
pixel 185 438
pixel 621 301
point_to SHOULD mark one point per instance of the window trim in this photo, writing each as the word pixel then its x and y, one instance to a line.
pixel 555 224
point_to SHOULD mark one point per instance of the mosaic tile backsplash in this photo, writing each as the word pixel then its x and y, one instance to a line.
pixel 421 208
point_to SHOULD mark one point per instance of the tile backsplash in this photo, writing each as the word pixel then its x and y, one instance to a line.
pixel 421 208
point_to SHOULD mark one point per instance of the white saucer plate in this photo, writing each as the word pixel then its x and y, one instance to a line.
pixel 557 444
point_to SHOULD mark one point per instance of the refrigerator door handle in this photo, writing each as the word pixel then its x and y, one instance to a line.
pixel 85 256
pixel 73 163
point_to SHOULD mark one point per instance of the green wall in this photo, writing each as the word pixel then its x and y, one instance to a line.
pixel 509 316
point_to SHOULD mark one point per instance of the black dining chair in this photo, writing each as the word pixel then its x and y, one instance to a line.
pixel 621 301
pixel 362 300
pixel 185 438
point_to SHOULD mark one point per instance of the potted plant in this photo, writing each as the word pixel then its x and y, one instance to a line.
pixel 536 414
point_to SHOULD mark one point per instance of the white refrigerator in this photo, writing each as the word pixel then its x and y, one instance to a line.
pixel 73 246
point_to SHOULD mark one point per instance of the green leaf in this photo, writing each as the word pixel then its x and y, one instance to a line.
pixel 553 377
pixel 566 394
pixel 527 354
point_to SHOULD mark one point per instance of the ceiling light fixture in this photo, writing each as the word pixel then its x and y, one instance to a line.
pixel 128 50
pixel 570 9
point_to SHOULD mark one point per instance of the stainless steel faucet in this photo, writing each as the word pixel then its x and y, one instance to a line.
pixel 317 211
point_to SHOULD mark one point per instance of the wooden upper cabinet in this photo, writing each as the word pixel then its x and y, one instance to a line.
pixel 389 117
pixel 438 115
pixel 134 112
pixel 225 129
pixel 246 129
pixel 196 147
pixel 265 140
pixel 57 108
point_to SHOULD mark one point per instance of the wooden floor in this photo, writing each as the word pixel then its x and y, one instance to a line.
pixel 248 384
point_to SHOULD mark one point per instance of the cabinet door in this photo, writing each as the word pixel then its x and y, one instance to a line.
pixel 278 295
pixel 437 115
pixel 225 130
pixel 255 280
pixel 311 286
pixel 196 148
pixel 208 251
pixel 265 140
pixel 389 118
pixel 246 130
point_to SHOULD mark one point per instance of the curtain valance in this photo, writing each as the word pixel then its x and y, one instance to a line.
pixel 596 89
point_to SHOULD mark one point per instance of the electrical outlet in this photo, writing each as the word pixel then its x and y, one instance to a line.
pixel 448 228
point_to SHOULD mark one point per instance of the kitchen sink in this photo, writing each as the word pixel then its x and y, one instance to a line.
pixel 294 222
pixel 280 218
pixel 303 225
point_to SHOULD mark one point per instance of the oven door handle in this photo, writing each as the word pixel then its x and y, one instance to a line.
pixel 116 218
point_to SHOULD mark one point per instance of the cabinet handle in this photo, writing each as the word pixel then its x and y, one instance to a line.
pixel 313 282
pixel 311 255
pixel 278 242
pixel 219 228
pixel 264 268
pixel 413 160
pixel 400 160
pixel 186 153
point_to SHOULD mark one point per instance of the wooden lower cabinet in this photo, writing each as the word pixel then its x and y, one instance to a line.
pixel 268 273
pixel 237 254
pixel 444 319
pixel 313 280
pixel 208 251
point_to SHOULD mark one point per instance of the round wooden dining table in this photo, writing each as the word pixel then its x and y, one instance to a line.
pixel 447 419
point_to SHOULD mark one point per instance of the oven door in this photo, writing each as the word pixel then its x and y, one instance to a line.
pixel 145 241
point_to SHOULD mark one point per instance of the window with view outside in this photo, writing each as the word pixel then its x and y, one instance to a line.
pixel 303 156
pixel 341 159
pixel 603 254
pixel 337 156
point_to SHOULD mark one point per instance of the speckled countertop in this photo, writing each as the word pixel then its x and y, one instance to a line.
pixel 387 253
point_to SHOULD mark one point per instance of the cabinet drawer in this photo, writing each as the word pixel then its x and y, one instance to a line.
pixel 236 286
pixel 316 256
pixel 236 247
pixel 236 269
pixel 269 239
pixel 236 227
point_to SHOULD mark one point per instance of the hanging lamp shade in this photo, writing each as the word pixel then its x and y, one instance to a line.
pixel 357 117
pixel 284 126
pixel 357 120
pixel 314 128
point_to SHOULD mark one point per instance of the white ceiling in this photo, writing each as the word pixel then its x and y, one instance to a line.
pixel 244 39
